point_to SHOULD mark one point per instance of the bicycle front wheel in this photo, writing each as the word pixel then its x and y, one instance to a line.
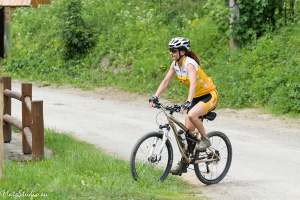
pixel 151 158
pixel 215 161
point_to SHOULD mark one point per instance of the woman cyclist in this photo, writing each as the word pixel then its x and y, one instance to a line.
pixel 202 95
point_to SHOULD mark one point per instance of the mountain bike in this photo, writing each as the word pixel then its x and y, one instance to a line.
pixel 152 156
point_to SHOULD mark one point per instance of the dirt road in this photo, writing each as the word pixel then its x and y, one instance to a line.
pixel 266 159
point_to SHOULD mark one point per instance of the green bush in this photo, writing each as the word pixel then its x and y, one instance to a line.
pixel 218 10
pixel 255 18
pixel 264 74
pixel 77 37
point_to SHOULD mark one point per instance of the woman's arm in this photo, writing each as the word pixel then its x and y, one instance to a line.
pixel 165 82
pixel 192 76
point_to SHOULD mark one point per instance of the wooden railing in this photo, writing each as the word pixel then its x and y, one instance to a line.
pixel 1 133
pixel 32 124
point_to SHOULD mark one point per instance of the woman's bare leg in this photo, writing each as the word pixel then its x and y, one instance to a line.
pixel 191 121
pixel 198 110
pixel 189 125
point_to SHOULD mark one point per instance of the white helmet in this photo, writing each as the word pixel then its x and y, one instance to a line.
pixel 180 43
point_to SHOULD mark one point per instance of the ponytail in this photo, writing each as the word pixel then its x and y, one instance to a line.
pixel 193 55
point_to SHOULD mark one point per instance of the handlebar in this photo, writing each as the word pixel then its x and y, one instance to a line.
pixel 171 109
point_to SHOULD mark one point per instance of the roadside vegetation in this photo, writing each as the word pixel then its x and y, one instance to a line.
pixel 80 171
pixel 124 45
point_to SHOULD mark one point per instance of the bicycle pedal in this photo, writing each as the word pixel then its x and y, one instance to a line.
pixel 176 174
pixel 191 169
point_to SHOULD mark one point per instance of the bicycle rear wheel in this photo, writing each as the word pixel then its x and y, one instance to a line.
pixel 147 162
pixel 215 161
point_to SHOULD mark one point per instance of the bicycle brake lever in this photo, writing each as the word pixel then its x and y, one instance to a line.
pixel 157 105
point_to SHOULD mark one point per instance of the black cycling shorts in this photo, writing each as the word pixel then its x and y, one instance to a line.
pixel 210 101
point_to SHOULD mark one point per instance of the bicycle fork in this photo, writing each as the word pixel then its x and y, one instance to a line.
pixel 165 130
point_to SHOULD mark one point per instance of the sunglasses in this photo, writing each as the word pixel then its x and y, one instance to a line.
pixel 173 50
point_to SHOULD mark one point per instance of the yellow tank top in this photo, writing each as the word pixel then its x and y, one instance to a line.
pixel 204 83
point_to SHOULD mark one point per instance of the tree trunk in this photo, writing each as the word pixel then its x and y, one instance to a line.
pixel 292 9
pixel 7 19
pixel 1 32
pixel 234 17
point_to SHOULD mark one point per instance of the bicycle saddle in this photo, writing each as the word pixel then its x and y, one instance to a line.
pixel 210 116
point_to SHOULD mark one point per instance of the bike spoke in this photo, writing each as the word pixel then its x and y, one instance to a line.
pixel 216 156
pixel 149 162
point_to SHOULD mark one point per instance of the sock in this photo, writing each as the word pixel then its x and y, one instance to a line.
pixel 197 135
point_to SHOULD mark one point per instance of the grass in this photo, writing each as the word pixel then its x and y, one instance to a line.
pixel 80 171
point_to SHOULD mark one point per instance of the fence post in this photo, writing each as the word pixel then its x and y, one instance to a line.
pixel 7 109
pixel 1 131
pixel 37 130
pixel 26 116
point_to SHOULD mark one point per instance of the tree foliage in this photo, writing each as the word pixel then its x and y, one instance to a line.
pixel 257 17
pixel 254 19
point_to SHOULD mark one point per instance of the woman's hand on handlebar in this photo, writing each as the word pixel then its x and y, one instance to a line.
pixel 153 101
pixel 186 106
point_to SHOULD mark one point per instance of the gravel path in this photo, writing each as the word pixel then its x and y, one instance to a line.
pixel 266 159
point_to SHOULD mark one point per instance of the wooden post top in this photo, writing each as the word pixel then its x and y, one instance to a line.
pixel 22 3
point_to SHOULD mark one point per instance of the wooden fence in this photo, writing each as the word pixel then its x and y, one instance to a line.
pixel 1 133
pixel 32 124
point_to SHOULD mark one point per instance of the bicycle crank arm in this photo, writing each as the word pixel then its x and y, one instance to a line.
pixel 205 160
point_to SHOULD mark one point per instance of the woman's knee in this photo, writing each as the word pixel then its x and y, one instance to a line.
pixel 189 125
pixel 191 128
pixel 192 116
pixel 197 111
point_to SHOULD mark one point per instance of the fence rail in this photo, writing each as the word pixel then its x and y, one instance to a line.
pixel 32 123
pixel 1 132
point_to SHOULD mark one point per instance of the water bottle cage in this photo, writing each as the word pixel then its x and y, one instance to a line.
pixel 182 139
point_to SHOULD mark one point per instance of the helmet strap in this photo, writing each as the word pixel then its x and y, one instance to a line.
pixel 180 56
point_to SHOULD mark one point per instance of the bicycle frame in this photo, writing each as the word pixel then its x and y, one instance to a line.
pixel 165 129
pixel 172 121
